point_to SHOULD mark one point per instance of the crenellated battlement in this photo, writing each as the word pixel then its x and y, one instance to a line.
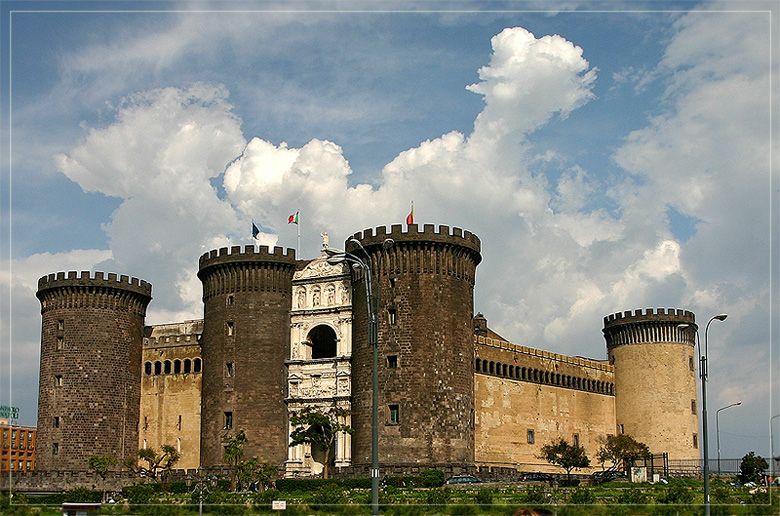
pixel 98 279
pixel 649 314
pixel 638 327
pixel 248 253
pixel 429 233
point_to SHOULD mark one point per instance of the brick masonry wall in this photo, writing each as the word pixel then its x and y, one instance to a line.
pixel 89 389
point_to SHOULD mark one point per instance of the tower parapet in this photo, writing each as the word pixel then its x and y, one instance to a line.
pixel 246 340
pixel 424 285
pixel 89 391
pixel 659 325
pixel 655 379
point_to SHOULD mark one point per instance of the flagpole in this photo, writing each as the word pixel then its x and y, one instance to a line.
pixel 298 250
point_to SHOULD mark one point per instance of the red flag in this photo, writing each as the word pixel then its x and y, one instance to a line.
pixel 410 217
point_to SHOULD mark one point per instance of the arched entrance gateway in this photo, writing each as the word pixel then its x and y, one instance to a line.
pixel 320 365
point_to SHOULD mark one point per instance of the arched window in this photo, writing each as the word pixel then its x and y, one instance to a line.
pixel 477 363
pixel 176 366
pixel 148 368
pixel 167 367
pixel 511 371
pixel 525 377
pixel 547 377
pixel 323 342
pixel 196 365
pixel 157 367
pixel 187 365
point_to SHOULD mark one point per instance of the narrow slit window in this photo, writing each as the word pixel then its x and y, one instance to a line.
pixel 230 328
pixel 530 438
pixel 393 414
pixel 228 421
pixel 392 361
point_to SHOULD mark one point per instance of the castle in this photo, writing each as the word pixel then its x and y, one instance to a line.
pixel 279 334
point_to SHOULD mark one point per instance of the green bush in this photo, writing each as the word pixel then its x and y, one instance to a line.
pixel 406 481
pixel 534 495
pixel 294 485
pixel 139 494
pixel 437 496
pixel 82 494
pixel 484 496
pixel 632 496
pixel 676 494
pixel 582 496
pixel 432 478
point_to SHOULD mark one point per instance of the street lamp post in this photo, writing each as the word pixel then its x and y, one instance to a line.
pixel 717 428
pixel 772 449
pixel 338 256
pixel 201 484
pixel 703 376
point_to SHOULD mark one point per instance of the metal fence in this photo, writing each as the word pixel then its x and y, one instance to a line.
pixel 666 467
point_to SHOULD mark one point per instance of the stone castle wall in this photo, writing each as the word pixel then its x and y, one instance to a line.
pixel 526 398
pixel 171 390
pixel 424 284
pixel 655 379
pixel 89 389
pixel 247 297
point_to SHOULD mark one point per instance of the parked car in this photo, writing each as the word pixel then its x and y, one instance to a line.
pixel 463 479
pixel 537 477
pixel 606 475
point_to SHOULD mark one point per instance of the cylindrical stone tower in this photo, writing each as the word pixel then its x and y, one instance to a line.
pixel 655 379
pixel 246 340
pixel 90 377
pixel 424 285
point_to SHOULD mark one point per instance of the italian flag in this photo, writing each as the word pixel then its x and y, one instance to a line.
pixel 293 219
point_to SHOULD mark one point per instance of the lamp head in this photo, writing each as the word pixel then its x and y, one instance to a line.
pixel 721 317
pixel 331 251
pixel 334 260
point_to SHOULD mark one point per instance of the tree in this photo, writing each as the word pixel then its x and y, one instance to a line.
pixel 233 455
pixel 101 464
pixel 621 450
pixel 319 428
pixel 751 467
pixel 156 463
pixel 253 470
pixel 565 455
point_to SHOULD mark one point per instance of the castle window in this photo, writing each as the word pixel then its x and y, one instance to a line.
pixel 230 300
pixel 323 342
pixel 157 367
pixel 392 282
pixel 391 315
pixel 530 436
pixel 196 365
pixel 504 368
pixel 56 421
pixel 392 361
pixel 177 366
pixel 492 369
pixel 622 429
pixel 55 448
pixel 393 414
pixel 187 365
pixel 229 328
pixel 228 369
pixel 576 439
pixel 693 406
pixel 145 444
pixel 148 368
pixel 696 441
pixel 61 324
pixel 690 363
pixel 178 426
pixel 167 367
pixel 228 421
pixel 146 423
pixel 511 371
pixel 58 380
pixel 178 444
pixel 477 364
pixel 59 343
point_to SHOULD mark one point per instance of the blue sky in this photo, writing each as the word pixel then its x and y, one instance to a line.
pixel 610 157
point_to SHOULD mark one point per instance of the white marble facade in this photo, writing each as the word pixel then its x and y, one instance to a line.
pixel 319 369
